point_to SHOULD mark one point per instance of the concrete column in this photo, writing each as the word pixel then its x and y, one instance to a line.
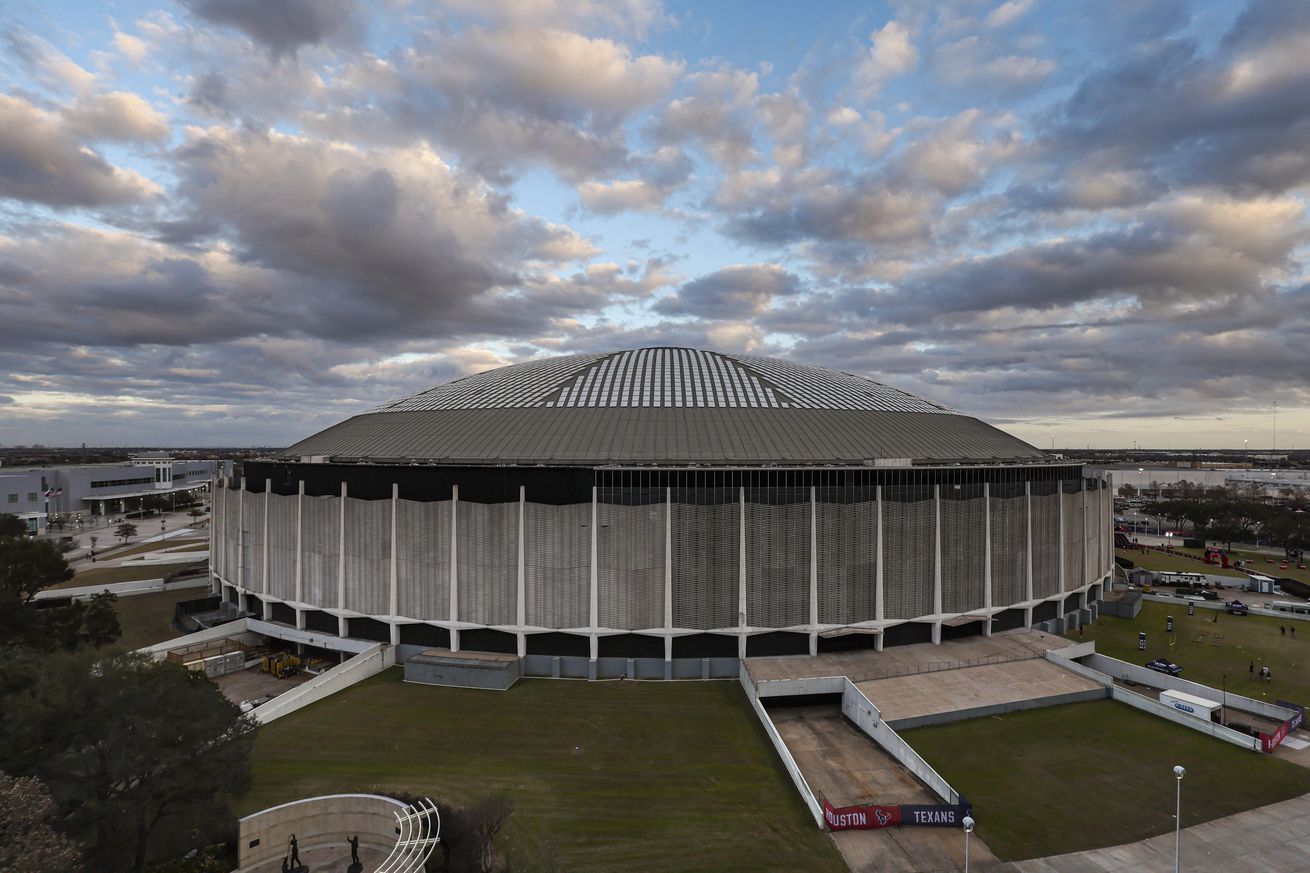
pixel 814 572
pixel 395 564
pixel 668 576
pixel 1085 574
pixel 341 564
pixel 1028 548
pixel 741 575
pixel 300 543
pixel 1059 503
pixel 522 611
pixel 241 536
pixel 215 564
pixel 593 614
pixel 937 563
pixel 987 558
pixel 454 567
pixel 880 605
pixel 263 575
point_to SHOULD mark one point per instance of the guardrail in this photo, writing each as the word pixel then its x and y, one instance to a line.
pixel 358 668
pixel 780 746
pixel 861 711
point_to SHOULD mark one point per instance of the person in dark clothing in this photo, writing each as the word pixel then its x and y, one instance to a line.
pixel 295 852
pixel 1251 670
pixel 354 849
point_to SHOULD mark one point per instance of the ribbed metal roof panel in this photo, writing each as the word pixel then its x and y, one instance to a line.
pixel 664 378
pixel 663 435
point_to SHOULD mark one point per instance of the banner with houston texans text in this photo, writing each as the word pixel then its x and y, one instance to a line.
pixel 871 816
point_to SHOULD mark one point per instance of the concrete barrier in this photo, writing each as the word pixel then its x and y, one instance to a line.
pixel 990 709
pixel 1155 707
pixel 119 589
pixel 366 664
pixel 160 650
pixel 860 710
pixel 317 822
pixel 1133 673
pixel 788 762
pixel 289 634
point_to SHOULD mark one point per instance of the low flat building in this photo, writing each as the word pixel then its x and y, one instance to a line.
pixel 34 493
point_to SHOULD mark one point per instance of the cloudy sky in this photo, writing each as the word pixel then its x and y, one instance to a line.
pixel 238 221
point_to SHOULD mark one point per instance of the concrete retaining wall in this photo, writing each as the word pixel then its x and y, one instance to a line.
pixel 231 629
pixel 860 710
pixel 1155 707
pixel 120 589
pixel 1133 673
pixel 363 665
pixel 317 821
pixel 906 724
pixel 788 762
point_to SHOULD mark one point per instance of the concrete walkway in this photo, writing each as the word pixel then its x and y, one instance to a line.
pixel 1271 839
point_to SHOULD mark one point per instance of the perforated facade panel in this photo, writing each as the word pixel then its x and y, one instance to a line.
pixel 1046 539
pixel 282 546
pixel 777 563
pixel 848 561
pixel 705 565
pixel 423 559
pixel 232 531
pixel 488 562
pixel 1073 538
pixel 557 564
pixel 253 559
pixel 321 548
pixel 368 556
pixel 908 549
pixel 1009 550
pixel 630 565
pixel 964 544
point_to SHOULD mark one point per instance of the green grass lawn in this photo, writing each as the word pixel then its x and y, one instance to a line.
pixel 145 618
pixel 110 575
pixel 1241 639
pixel 1086 775
pixel 632 776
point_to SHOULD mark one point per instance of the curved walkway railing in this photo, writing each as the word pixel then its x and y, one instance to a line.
pixel 420 832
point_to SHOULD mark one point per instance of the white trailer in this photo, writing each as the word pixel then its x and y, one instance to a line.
pixel 1190 704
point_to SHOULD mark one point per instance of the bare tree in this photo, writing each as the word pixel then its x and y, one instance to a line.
pixel 29 842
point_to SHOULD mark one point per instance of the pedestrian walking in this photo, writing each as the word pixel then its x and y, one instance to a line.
pixel 1293 628
pixel 1282 631
pixel 1251 670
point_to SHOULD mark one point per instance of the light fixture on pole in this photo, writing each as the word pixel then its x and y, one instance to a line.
pixel 968 829
pixel 1179 773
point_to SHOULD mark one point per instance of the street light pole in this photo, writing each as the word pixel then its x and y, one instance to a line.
pixel 1179 772
pixel 968 829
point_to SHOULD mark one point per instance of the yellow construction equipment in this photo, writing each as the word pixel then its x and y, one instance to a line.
pixel 281 664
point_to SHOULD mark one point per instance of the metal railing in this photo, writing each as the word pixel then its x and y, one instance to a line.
pixel 419 835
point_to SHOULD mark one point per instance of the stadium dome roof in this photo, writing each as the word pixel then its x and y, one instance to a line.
pixel 663 405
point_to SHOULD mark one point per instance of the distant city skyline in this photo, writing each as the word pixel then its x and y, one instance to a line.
pixel 224 223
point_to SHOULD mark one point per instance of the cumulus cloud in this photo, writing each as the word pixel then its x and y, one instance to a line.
pixel 283 26
pixel 732 293
pixel 45 158
pixel 118 115
pixel 891 52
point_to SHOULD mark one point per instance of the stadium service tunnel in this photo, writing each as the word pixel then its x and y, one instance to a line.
pixel 659 510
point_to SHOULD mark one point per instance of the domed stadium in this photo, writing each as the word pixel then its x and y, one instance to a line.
pixel 660 512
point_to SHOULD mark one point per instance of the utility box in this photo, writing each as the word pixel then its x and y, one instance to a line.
pixel 1206 710
pixel 463 669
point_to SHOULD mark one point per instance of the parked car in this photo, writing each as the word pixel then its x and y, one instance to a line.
pixel 1237 607
pixel 1162 665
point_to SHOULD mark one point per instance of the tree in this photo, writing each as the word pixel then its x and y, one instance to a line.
pixel 1127 490
pixel 125 531
pixel 27 567
pixel 11 526
pixel 29 842
pixel 126 743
